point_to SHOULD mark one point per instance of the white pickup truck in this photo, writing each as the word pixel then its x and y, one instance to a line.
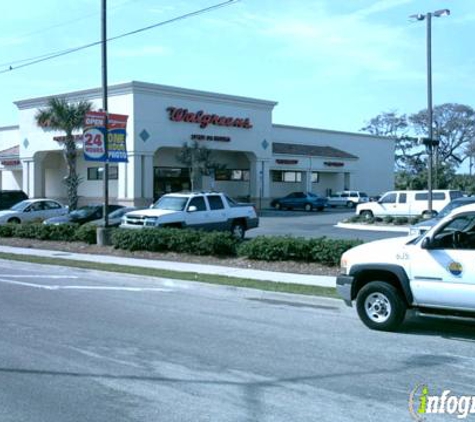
pixel 200 210
pixel 433 273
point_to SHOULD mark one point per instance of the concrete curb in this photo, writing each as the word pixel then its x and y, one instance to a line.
pixel 278 277
pixel 373 227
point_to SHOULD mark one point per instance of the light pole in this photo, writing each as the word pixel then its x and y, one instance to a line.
pixel 430 142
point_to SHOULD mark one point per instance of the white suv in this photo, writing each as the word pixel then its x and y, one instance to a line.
pixel 347 198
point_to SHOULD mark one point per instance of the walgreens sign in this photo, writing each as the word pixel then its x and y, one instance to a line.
pixel 203 119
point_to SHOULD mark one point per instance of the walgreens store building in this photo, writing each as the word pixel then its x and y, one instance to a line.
pixel 261 160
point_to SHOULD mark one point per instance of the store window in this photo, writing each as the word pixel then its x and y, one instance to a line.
pixel 315 177
pixel 96 173
pixel 234 175
pixel 286 176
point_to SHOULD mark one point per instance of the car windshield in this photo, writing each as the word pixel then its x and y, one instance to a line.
pixel 83 212
pixel 171 203
pixel 20 206
pixel 449 207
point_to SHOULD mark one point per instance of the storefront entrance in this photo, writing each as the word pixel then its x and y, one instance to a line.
pixel 169 179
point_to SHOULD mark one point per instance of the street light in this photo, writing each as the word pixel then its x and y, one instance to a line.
pixel 431 142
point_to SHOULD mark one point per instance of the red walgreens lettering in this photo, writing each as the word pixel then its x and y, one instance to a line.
pixel 183 115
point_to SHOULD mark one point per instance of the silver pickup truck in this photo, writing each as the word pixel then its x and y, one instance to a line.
pixel 200 210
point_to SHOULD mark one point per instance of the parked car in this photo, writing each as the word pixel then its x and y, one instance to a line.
pixel 347 198
pixel 407 203
pixel 8 198
pixel 114 218
pixel 83 214
pixel 425 225
pixel 300 200
pixel 199 210
pixel 32 210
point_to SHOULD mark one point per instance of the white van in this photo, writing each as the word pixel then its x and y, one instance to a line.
pixel 407 203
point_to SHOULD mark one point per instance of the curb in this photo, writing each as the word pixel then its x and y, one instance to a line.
pixel 374 228
pixel 277 277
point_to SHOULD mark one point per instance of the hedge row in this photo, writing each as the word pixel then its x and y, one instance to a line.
pixel 62 232
pixel 388 219
pixel 321 250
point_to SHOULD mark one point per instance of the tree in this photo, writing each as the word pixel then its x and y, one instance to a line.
pixel 198 159
pixel 66 117
pixel 454 128
pixel 392 125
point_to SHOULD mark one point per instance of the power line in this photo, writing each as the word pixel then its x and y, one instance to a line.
pixel 38 59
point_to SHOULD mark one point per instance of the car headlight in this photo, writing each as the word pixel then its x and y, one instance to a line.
pixel 343 265
pixel 151 221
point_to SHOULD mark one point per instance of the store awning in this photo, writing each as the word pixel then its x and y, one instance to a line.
pixel 310 150
pixel 10 157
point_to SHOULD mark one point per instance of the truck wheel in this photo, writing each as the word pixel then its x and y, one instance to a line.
pixel 238 230
pixel 308 207
pixel 380 306
pixel 14 220
pixel 350 204
pixel 366 214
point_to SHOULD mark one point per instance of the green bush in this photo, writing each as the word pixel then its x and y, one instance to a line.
pixel 7 230
pixel 176 240
pixel 31 231
pixel 322 250
pixel 414 220
pixel 388 219
pixel 268 248
pixel 86 233
pixel 399 221
pixel 61 232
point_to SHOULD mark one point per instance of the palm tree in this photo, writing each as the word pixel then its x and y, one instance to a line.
pixel 66 117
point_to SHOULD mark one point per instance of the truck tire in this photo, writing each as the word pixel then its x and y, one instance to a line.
pixel 350 204
pixel 366 214
pixel 380 306
pixel 238 230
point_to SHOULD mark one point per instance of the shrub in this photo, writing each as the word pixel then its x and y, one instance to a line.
pixel 61 232
pixel 86 233
pixel 176 240
pixel 7 230
pixel 399 221
pixel 31 231
pixel 275 248
pixel 388 219
pixel 322 250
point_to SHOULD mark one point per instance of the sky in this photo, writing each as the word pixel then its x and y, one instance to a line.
pixel 330 64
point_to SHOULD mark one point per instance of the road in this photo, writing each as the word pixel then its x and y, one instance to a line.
pixel 78 345
pixel 313 224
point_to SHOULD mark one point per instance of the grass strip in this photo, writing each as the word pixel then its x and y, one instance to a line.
pixel 266 285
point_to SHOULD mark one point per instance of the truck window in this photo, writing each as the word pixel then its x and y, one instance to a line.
pixel 402 198
pixel 215 202
pixel 198 202
pixel 389 198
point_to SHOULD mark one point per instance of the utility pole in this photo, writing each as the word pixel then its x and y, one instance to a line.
pixel 105 108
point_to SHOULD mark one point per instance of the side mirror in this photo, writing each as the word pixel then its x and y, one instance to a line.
pixel 426 243
pixel 192 208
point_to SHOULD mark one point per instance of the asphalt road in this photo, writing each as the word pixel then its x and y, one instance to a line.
pixel 79 345
pixel 313 224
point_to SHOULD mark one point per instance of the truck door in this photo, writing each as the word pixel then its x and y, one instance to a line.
pixel 196 213
pixel 444 274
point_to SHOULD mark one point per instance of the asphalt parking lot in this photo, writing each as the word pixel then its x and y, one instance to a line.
pixel 312 224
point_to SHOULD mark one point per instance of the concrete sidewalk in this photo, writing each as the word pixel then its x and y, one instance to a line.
pixel 278 277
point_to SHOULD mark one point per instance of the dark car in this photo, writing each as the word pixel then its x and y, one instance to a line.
pixel 83 214
pixel 114 218
pixel 8 198
pixel 425 225
pixel 300 200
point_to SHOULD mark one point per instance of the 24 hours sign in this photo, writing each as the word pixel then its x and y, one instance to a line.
pixel 103 143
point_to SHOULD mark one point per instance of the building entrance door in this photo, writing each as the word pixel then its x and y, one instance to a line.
pixel 169 179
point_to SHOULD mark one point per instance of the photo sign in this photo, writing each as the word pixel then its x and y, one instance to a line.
pixel 94 137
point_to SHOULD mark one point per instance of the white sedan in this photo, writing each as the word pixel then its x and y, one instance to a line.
pixel 32 210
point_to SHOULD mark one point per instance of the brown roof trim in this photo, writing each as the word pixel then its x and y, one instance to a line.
pixel 310 150
pixel 10 152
